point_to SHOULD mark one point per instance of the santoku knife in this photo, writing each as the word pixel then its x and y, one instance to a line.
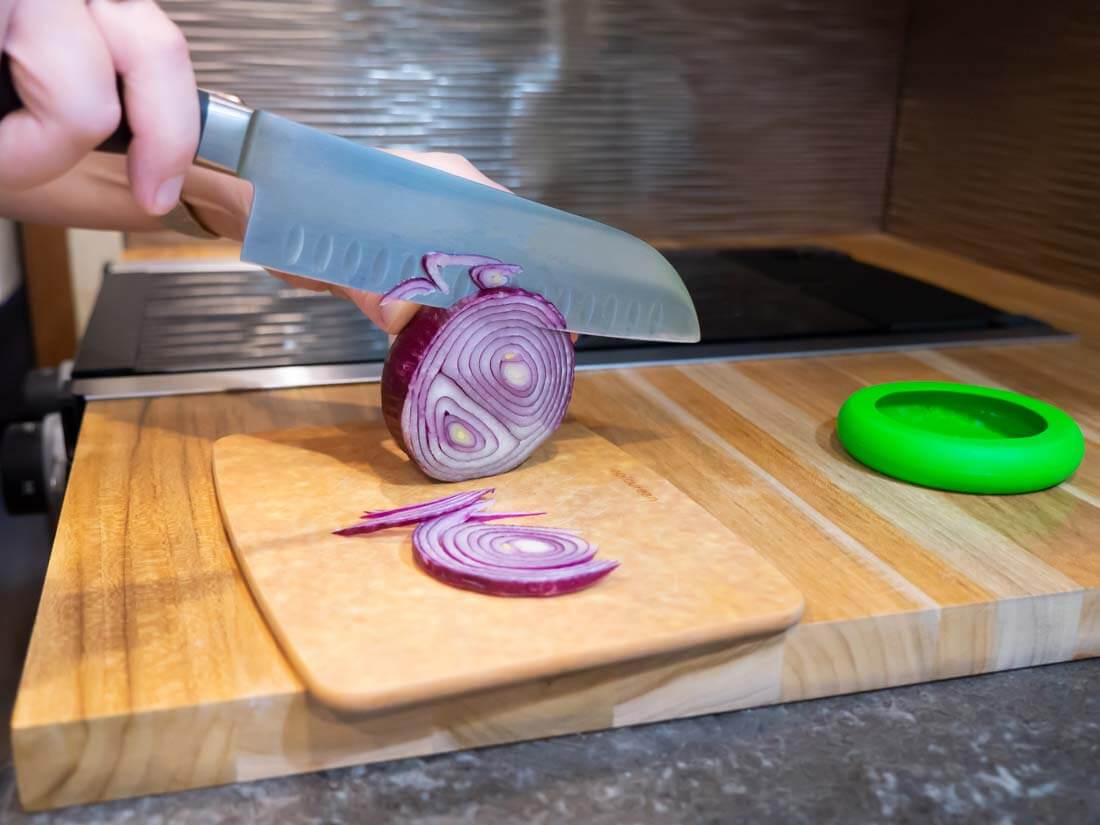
pixel 333 210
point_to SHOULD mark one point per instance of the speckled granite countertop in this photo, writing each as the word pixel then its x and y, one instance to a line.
pixel 1018 747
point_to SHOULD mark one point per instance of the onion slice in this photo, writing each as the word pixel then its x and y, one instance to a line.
pixel 500 516
pixel 492 276
pixel 409 288
pixel 460 544
pixel 462 550
pixel 433 264
pixel 374 520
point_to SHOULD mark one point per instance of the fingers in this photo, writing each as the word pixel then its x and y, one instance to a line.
pixel 390 318
pixel 63 72
pixel 64 58
pixel 369 303
pixel 6 8
pixel 448 162
pixel 299 282
pixel 150 53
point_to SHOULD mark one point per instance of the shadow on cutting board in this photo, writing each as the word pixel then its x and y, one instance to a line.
pixel 360 446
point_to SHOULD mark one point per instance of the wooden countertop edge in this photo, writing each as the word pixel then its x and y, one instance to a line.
pixel 703 644
pixel 164 429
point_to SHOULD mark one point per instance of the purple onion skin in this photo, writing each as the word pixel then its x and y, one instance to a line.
pixel 409 288
pixel 405 354
pixel 413 513
pixel 433 263
pixel 580 578
pixel 415 341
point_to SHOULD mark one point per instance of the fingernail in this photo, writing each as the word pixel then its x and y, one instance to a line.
pixel 168 195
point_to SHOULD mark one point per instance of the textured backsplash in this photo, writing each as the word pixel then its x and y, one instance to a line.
pixel 680 120
pixel 998 152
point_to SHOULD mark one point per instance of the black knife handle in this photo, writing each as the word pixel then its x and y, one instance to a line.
pixel 118 143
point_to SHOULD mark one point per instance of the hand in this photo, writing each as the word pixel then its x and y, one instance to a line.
pixel 393 316
pixel 65 55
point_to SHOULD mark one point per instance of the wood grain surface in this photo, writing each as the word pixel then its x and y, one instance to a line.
pixel 367 630
pixel 151 668
pixel 49 293
pixel 996 150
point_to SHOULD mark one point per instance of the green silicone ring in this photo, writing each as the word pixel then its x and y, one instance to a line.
pixel 960 437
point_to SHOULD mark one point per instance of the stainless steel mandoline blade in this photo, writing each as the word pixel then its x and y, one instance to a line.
pixel 330 209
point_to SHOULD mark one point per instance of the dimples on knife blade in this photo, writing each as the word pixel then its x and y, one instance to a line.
pixel 330 209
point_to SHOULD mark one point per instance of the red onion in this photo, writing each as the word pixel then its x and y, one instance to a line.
pixel 433 264
pixel 460 549
pixel 409 289
pixel 490 276
pixel 497 274
pixel 374 520
pixel 474 389
pixel 456 545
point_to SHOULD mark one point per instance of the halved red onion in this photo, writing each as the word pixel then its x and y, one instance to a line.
pixel 492 276
pixel 433 264
pixel 408 289
pixel 474 389
pixel 460 549
pixel 374 520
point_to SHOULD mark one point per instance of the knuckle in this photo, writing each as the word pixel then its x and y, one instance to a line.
pixel 91 122
pixel 160 42
pixel 171 44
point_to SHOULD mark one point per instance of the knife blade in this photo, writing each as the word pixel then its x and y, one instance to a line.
pixel 330 209
pixel 335 211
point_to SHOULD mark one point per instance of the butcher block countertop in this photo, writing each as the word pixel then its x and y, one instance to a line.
pixel 151 668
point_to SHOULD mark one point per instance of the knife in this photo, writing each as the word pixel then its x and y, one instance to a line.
pixel 336 211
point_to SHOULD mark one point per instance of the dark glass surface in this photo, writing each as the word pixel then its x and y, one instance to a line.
pixel 750 302
pixel 16 355
pixel 762 294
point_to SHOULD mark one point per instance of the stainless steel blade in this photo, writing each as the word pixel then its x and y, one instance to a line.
pixel 330 209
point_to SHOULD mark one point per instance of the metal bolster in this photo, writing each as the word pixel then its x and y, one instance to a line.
pixel 224 133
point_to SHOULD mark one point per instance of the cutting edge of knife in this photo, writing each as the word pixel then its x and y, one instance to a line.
pixel 258 119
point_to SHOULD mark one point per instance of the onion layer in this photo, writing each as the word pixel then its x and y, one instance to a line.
pixel 409 288
pixel 461 549
pixel 433 264
pixel 474 389
pixel 456 544
pixel 374 520
pixel 491 276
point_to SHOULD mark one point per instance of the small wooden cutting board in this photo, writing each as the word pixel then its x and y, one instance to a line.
pixel 367 629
